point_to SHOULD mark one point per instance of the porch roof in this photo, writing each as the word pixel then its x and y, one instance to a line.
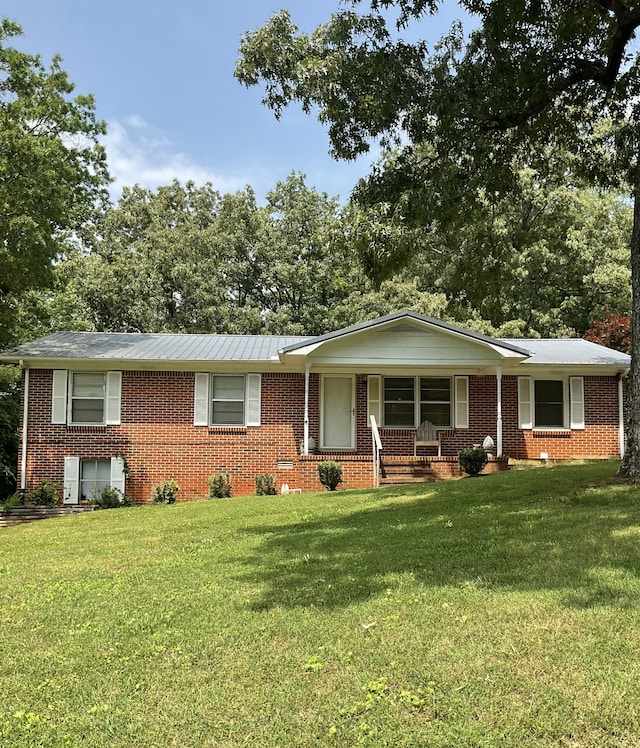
pixel 507 348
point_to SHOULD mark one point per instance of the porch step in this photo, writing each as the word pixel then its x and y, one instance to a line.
pixel 406 471
pixel 20 514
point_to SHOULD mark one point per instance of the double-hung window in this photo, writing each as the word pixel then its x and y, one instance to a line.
pixel 399 401
pixel 227 399
pixel 435 401
pixel 87 393
pixel 551 403
pixel 86 398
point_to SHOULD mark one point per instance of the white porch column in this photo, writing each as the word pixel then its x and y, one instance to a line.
pixel 499 409
pixel 305 447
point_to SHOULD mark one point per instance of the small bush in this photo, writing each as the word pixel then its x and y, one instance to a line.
pixel 12 501
pixel 165 493
pixel 472 460
pixel 219 486
pixel 265 485
pixel 110 498
pixel 44 494
pixel 330 474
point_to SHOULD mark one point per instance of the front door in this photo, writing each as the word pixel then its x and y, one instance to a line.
pixel 337 428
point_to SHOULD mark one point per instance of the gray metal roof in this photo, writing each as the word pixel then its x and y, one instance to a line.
pixel 569 351
pixel 202 347
pixel 152 347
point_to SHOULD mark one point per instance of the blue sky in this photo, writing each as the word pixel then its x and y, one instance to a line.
pixel 162 76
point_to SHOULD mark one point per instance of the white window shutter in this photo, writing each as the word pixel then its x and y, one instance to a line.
pixel 253 399
pixel 71 488
pixel 525 403
pixel 201 400
pixel 113 397
pixel 59 396
pixel 117 477
pixel 461 386
pixel 374 396
pixel 576 395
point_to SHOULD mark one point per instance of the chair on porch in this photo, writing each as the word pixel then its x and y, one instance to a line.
pixel 427 435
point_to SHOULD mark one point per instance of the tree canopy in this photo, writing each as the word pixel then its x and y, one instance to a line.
pixel 52 169
pixel 466 115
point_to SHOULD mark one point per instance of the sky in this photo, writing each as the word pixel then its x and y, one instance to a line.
pixel 162 76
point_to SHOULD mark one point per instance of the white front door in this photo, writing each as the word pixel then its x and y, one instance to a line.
pixel 337 427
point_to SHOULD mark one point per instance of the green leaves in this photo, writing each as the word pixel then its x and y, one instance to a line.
pixel 52 169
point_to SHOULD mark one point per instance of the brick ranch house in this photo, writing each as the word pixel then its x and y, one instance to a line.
pixel 133 410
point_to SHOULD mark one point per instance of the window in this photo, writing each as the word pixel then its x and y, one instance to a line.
pixel 409 401
pixel 85 478
pixel 86 398
pixel 551 403
pixel 227 399
pixel 94 476
pixel 399 401
pixel 435 400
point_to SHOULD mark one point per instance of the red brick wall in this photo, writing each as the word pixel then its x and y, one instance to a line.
pixel 159 441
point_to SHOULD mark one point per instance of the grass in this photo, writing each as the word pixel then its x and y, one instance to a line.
pixel 492 612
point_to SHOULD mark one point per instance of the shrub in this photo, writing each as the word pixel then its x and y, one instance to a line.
pixel 472 460
pixel 265 485
pixel 219 486
pixel 44 494
pixel 111 498
pixel 330 474
pixel 12 501
pixel 165 493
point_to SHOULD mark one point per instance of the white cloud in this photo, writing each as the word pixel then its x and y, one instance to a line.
pixel 138 155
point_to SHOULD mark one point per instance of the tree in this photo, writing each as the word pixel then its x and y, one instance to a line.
pixel 532 73
pixel 52 170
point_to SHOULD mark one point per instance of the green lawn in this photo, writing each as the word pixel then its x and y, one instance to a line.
pixel 499 611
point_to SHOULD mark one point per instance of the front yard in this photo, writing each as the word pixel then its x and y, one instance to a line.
pixel 500 611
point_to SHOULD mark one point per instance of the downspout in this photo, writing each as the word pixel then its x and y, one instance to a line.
pixel 621 415
pixel 305 446
pixel 499 419
pixel 25 416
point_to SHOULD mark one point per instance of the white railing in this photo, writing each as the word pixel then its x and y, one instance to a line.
pixel 377 450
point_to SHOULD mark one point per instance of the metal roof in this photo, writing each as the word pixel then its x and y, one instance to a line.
pixel 153 347
pixel 548 351
pixel 261 348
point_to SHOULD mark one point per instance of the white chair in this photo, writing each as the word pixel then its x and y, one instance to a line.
pixel 427 435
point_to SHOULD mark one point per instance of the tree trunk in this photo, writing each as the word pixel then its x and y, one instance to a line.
pixel 630 466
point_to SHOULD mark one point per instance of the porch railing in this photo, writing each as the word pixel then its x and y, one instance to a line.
pixel 377 450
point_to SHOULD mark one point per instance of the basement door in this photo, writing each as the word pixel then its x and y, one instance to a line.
pixel 338 408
